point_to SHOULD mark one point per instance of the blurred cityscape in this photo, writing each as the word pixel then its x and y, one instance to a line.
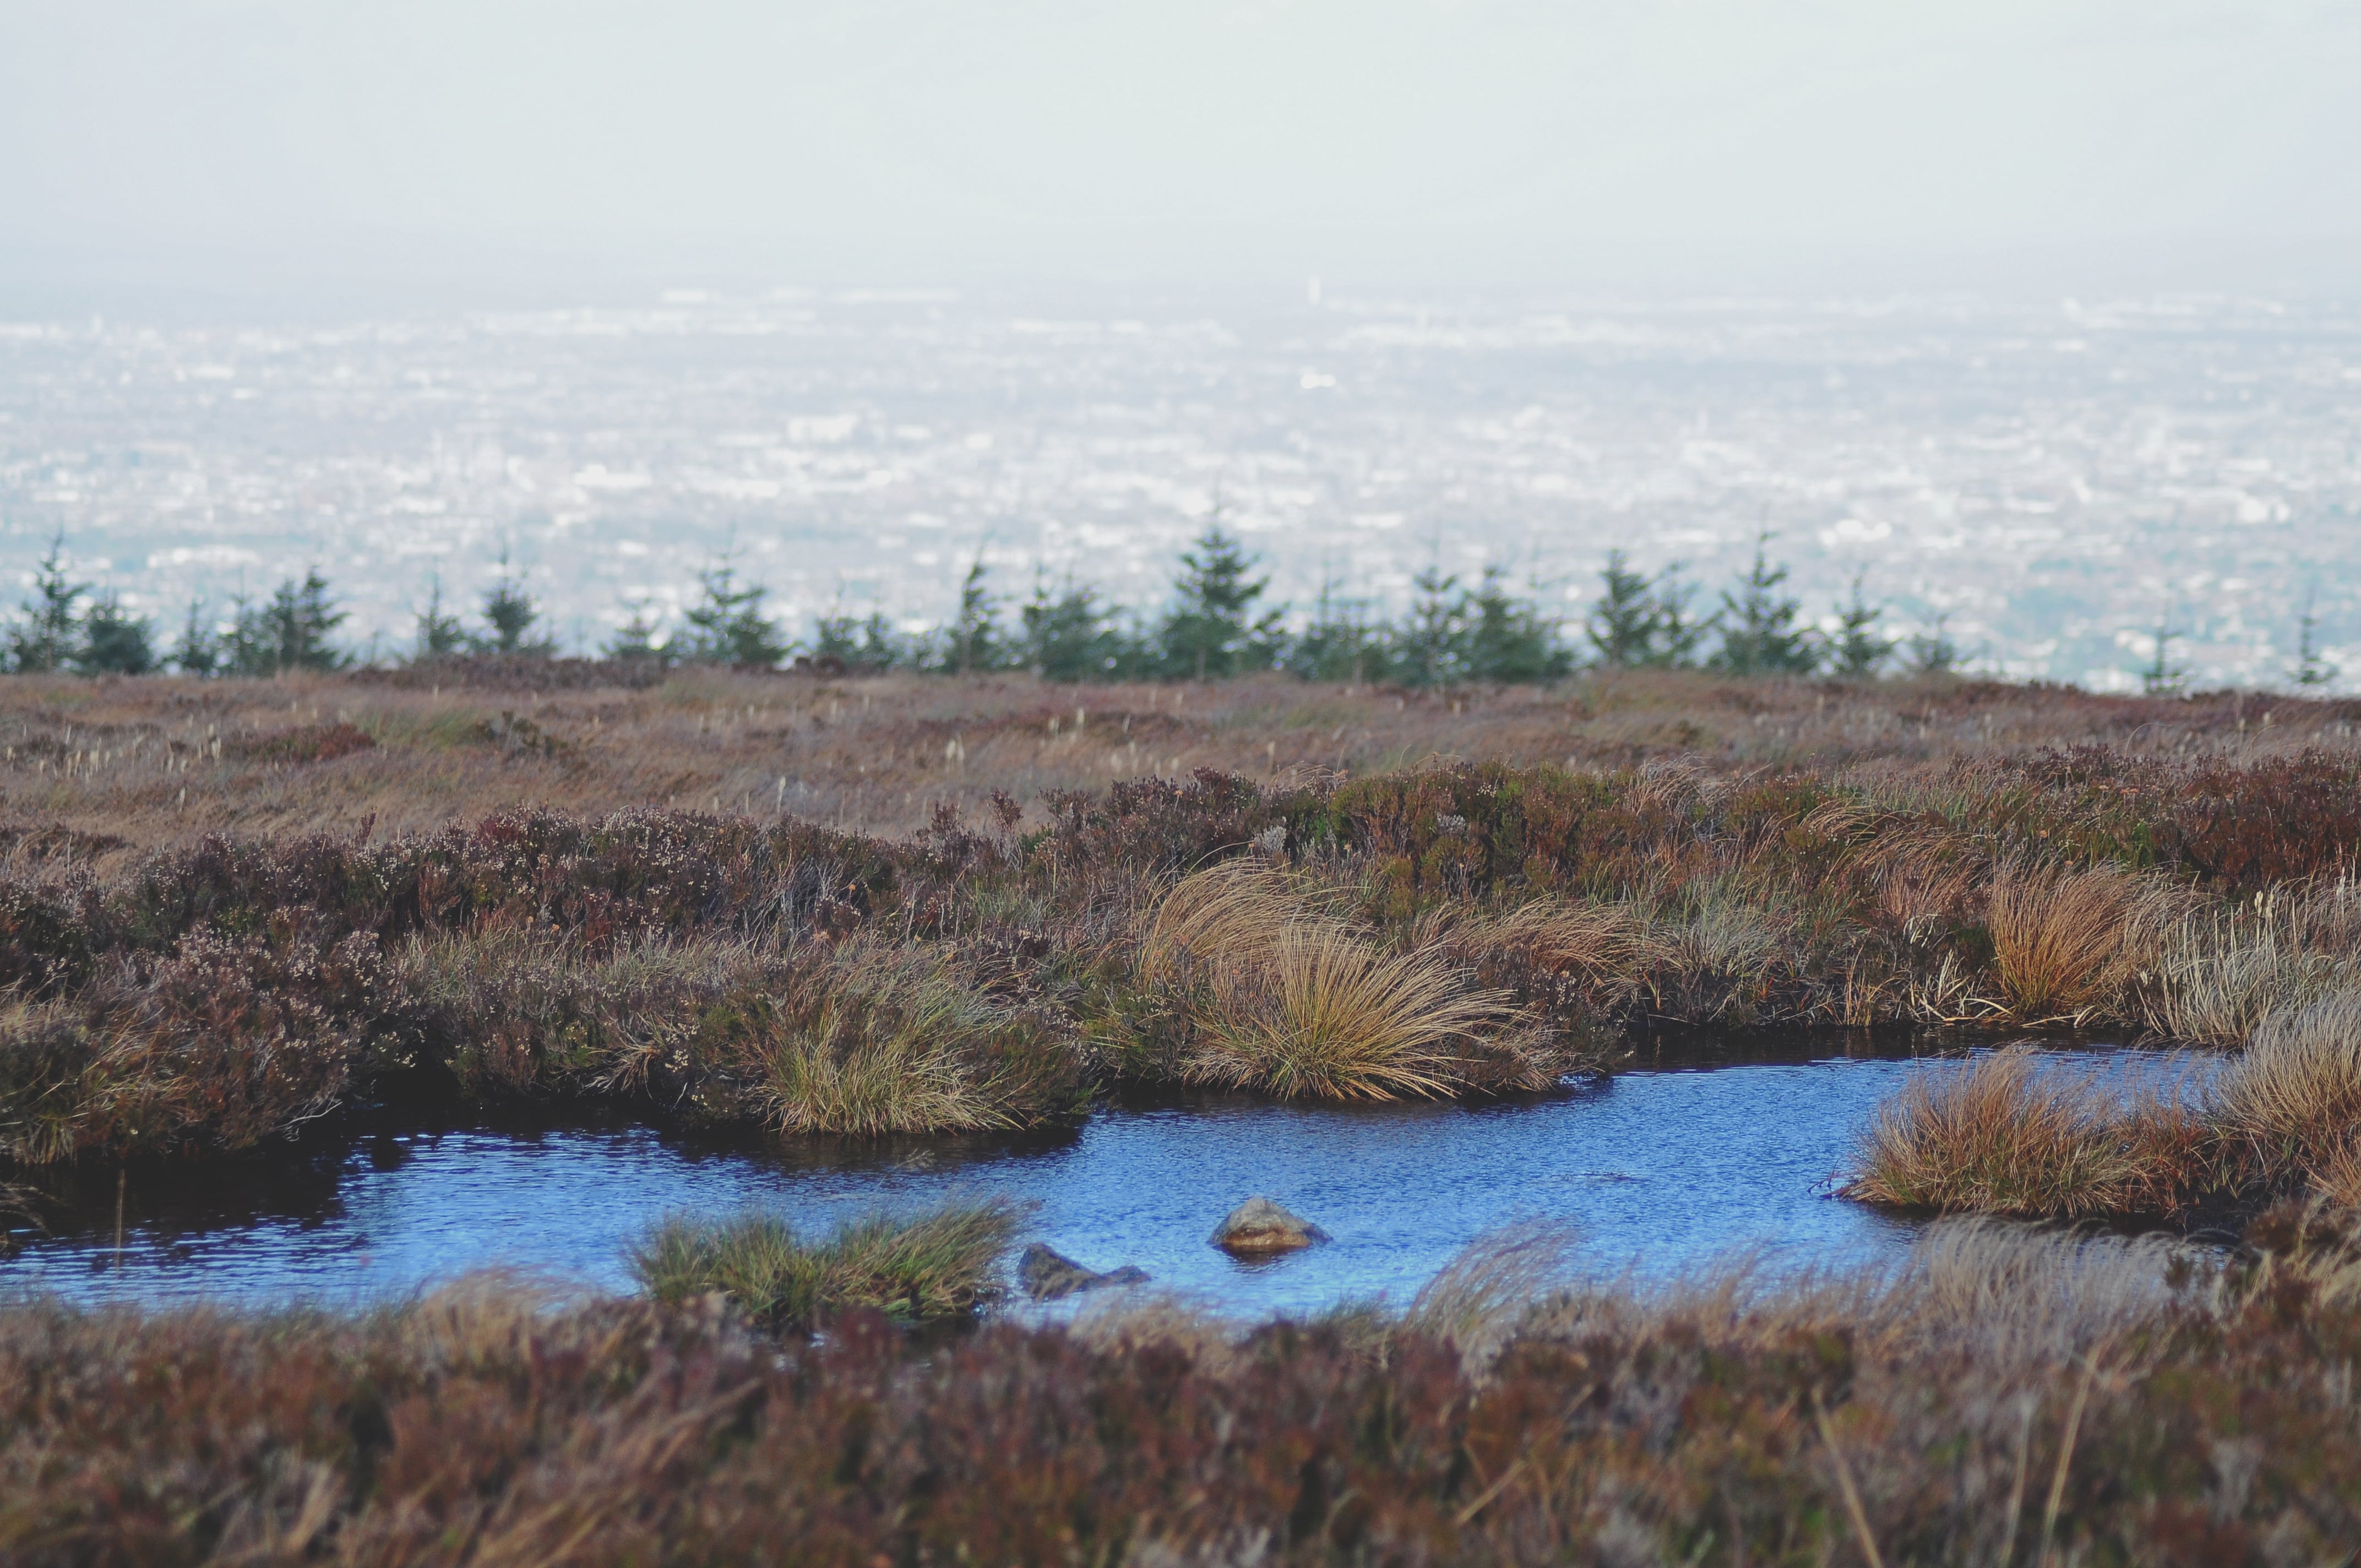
pixel 2051 484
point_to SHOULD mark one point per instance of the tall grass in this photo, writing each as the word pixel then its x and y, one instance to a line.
pixel 890 1038
pixel 2008 1134
pixel 1282 997
pixel 2064 942
pixel 924 1268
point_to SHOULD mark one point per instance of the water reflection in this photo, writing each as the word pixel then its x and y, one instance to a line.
pixel 1658 1168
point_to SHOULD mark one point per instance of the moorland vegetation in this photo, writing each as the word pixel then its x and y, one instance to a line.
pixel 846 902
pixel 2001 1398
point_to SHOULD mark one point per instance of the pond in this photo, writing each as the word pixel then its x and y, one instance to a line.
pixel 1656 1169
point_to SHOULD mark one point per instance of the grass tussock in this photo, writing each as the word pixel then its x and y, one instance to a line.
pixel 2009 1135
pixel 2066 943
pixel 1279 995
pixel 921 1269
pixel 2006 1135
pixel 1996 1397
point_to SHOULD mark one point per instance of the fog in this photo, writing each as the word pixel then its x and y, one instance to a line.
pixel 2009 146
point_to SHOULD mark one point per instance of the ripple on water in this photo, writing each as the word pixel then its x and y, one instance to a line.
pixel 1655 1169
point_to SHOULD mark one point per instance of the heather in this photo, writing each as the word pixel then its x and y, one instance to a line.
pixel 1418 925
pixel 1998 1398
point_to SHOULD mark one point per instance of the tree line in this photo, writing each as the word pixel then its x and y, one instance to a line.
pixel 1218 622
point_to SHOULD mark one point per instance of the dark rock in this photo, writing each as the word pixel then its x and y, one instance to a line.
pixel 1047 1275
pixel 1260 1225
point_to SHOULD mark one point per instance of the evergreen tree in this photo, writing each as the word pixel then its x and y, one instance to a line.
pixel 1207 634
pixel 114 641
pixel 1506 639
pixel 1431 649
pixel 1341 644
pixel 635 639
pixel 199 651
pixel 2163 677
pixel 1623 628
pixel 48 637
pixel 439 633
pixel 510 612
pixel 1677 635
pixel 301 618
pixel 972 642
pixel 1857 652
pixel 1067 635
pixel 1932 651
pixel 290 630
pixel 2311 668
pixel 1759 635
pixel 865 646
pixel 728 626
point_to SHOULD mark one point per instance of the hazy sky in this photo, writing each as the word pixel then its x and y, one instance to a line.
pixel 1461 142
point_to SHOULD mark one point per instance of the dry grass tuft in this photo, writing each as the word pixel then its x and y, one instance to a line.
pixel 2064 942
pixel 2294 1095
pixel 1282 997
pixel 2006 1135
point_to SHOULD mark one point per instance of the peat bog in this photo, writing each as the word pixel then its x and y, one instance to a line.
pixel 762 1004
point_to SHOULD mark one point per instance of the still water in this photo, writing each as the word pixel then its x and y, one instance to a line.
pixel 1654 1169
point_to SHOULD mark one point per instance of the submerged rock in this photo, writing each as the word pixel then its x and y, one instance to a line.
pixel 1047 1275
pixel 1260 1225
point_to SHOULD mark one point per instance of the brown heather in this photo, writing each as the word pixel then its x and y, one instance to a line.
pixel 1999 1398
pixel 903 904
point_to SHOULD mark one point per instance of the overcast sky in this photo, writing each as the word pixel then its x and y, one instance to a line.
pixel 2054 143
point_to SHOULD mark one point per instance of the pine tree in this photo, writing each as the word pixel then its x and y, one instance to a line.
pixel 1341 644
pixel 2311 669
pixel 972 642
pixel 1067 637
pixel 1206 634
pixel 48 637
pixel 1932 651
pixel 1677 635
pixel 1857 652
pixel 2163 677
pixel 1624 624
pixel 1759 634
pixel 635 641
pixel 728 626
pixel 1506 639
pixel 439 634
pixel 1431 649
pixel 864 646
pixel 199 651
pixel 510 612
pixel 114 641
pixel 303 617
pixel 290 630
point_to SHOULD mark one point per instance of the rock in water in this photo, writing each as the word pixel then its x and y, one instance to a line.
pixel 1046 1275
pixel 1260 1225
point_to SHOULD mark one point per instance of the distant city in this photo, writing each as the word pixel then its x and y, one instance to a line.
pixel 2050 485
